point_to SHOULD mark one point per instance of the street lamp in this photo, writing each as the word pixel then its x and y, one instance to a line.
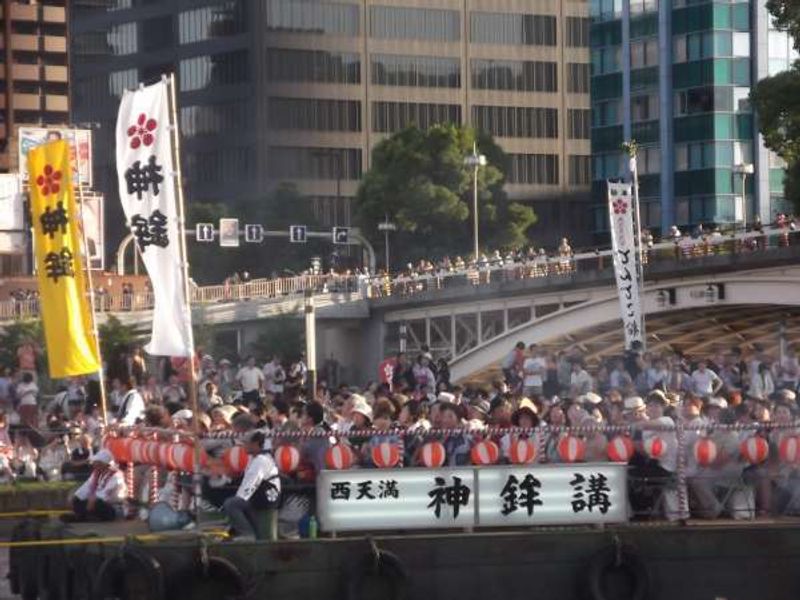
pixel 743 169
pixel 475 161
pixel 386 227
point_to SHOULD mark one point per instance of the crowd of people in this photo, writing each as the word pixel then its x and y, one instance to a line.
pixel 544 395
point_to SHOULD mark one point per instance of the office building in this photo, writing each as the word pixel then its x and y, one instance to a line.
pixel 34 80
pixel 302 90
pixel 676 77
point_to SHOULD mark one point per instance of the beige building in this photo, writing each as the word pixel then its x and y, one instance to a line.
pixel 35 70
pixel 335 78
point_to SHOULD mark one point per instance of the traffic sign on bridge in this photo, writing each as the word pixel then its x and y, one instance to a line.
pixel 204 232
pixel 253 233
pixel 341 235
pixel 298 234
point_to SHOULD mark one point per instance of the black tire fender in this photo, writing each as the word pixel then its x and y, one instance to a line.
pixel 218 578
pixel 110 575
pixel 618 557
pixel 382 564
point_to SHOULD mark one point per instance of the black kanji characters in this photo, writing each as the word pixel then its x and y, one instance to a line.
pixel 591 494
pixel 59 264
pixel 340 490
pixel 388 489
pixel 151 231
pixel 53 220
pixel 365 490
pixel 516 493
pixel 455 496
pixel 139 178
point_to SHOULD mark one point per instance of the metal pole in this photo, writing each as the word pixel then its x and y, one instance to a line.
pixel 744 201
pixel 178 181
pixel 386 242
pixel 90 283
pixel 311 343
pixel 640 264
pixel 475 211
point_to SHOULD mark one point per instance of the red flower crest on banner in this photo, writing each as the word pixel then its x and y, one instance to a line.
pixel 141 132
pixel 620 207
pixel 49 181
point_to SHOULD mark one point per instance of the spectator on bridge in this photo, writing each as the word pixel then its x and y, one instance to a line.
pixel 580 382
pixel 705 382
pixel 251 380
pixel 762 384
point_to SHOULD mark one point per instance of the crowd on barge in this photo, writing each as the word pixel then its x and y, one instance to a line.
pixel 412 401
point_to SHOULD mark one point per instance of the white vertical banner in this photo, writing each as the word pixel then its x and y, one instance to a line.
pixel 147 190
pixel 623 246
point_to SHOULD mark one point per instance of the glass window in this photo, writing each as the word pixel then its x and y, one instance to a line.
pixel 541 169
pixel 578 78
pixel 214 70
pixel 313 66
pixel 644 108
pixel 292 162
pixel 210 22
pixel 215 119
pixel 577 32
pixel 395 22
pixel 215 166
pixel 741 99
pixel 314 114
pixel 513 29
pixel 310 16
pixel 415 71
pixel 514 121
pixel 388 117
pixel 742 152
pixel 741 44
pixel 580 170
pixel 156 33
pixel 579 123
pixel 521 76
pixel 605 114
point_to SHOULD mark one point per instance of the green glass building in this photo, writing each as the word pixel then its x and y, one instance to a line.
pixel 676 77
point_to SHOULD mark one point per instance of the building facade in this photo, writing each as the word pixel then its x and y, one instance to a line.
pixel 676 77
pixel 35 91
pixel 300 91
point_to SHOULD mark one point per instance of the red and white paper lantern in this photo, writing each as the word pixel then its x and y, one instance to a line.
pixel 521 451
pixel 432 455
pixel 620 449
pixel 385 455
pixel 288 458
pixel 571 449
pixel 485 453
pixel 705 452
pixel 339 457
pixel 789 449
pixel 655 447
pixel 754 449
pixel 236 459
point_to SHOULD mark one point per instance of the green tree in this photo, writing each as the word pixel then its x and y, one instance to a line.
pixel 284 336
pixel 418 180
pixel 777 102
pixel 14 335
pixel 115 337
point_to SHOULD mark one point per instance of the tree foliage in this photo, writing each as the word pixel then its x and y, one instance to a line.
pixel 419 181
pixel 777 102
pixel 115 337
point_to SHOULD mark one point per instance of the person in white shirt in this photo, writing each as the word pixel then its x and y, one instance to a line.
pixel 762 385
pixel 790 369
pixel 260 489
pixel 274 375
pixel 704 381
pixel 102 496
pixel 534 369
pixel 131 409
pixel 27 393
pixel 251 378
pixel 580 381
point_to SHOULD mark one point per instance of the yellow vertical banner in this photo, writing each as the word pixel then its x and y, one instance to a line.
pixel 71 347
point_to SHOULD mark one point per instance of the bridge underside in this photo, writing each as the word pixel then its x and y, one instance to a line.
pixel 695 332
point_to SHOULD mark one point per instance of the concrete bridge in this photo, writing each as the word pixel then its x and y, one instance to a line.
pixel 699 295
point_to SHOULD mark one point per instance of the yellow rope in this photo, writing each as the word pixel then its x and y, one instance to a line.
pixel 33 513
pixel 148 537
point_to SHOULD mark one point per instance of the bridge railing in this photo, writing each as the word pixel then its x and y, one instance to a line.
pixel 684 249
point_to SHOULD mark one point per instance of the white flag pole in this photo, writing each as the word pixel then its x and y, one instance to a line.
pixel 178 181
pixel 88 267
pixel 633 150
